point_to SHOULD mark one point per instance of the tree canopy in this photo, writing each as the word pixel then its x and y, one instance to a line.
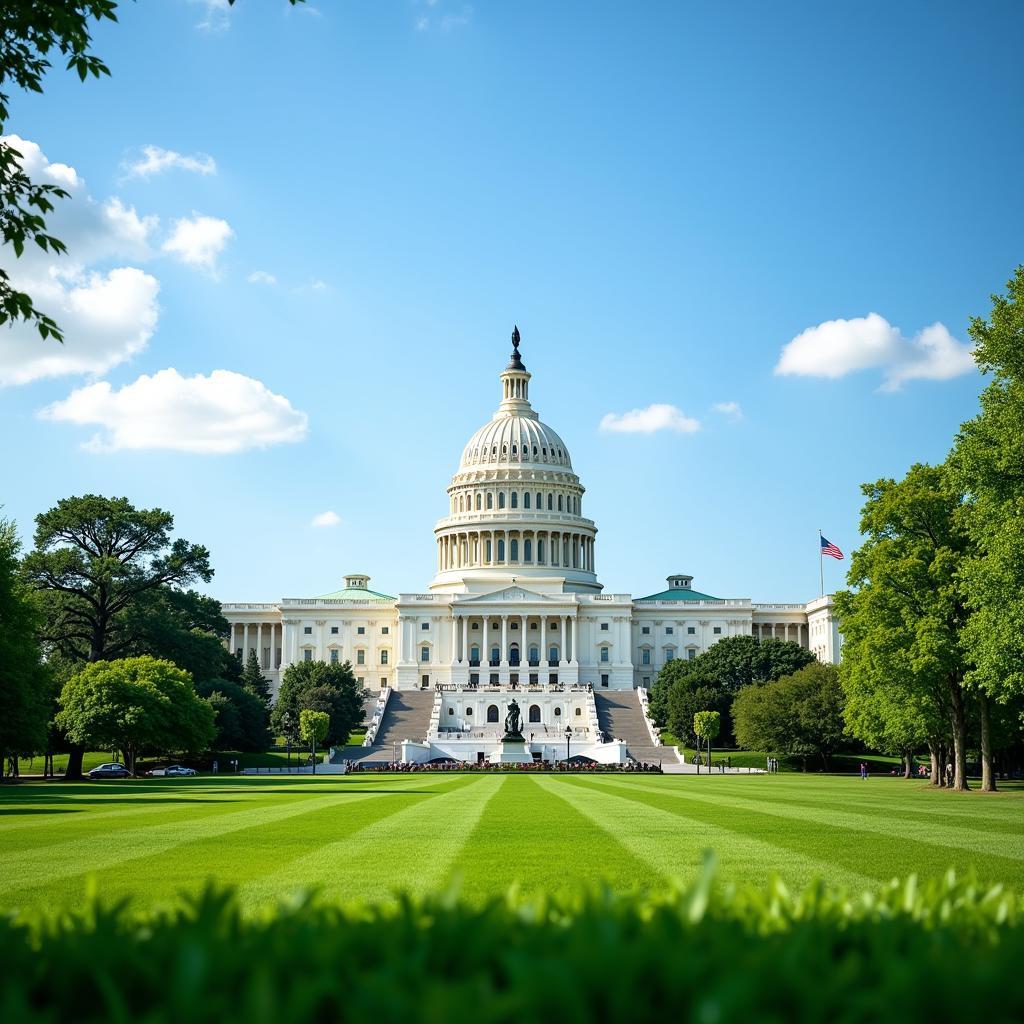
pixel 320 686
pixel 241 717
pixel 135 705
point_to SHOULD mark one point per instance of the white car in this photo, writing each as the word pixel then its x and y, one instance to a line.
pixel 179 769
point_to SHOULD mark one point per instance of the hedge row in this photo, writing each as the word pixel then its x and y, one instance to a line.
pixel 945 951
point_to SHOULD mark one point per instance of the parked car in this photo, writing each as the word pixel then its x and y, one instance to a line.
pixel 111 770
pixel 179 769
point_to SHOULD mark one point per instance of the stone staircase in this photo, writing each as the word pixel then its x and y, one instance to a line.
pixel 620 716
pixel 406 717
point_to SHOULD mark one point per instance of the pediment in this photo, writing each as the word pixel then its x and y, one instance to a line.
pixel 507 595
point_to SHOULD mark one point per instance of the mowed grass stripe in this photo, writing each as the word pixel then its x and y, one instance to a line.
pixel 673 844
pixel 841 852
pixel 530 838
pixel 43 865
pixel 888 825
pixel 403 848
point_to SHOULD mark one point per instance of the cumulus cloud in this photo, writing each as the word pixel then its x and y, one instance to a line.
pixel 837 347
pixel 261 277
pixel 198 240
pixel 107 314
pixel 156 160
pixel 650 420
pixel 326 519
pixel 215 15
pixel 218 414
pixel 730 409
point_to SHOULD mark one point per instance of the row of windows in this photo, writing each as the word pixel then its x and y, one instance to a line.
pixel 481 501
pixel 645 655
pixel 335 656
pixel 532 715
pixel 670 630
pixel 517 451
pixel 360 630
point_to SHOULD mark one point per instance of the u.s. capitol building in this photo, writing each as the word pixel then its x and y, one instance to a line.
pixel 516 599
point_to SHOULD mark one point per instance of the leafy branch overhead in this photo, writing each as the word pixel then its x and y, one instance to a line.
pixel 32 34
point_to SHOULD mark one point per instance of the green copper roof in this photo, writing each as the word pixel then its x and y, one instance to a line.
pixel 679 594
pixel 356 594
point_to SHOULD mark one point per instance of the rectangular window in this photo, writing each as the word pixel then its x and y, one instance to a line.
pixel 360 657
pixel 360 681
pixel 474 678
pixel 604 653
pixel 604 680
pixel 669 655
pixel 691 630
pixel 424 680
pixel 334 656
pixel 334 630
pixel 494 679
pixel 383 657
pixel 361 630
pixel 307 630
pixel 669 631
pixel 604 626
pixel 645 657
pixel 533 678
pixel 424 654
pixel 424 625
pixel 552 677
pixel 383 630
pixel 691 654
pixel 717 630
pixel 307 655
pixel 645 630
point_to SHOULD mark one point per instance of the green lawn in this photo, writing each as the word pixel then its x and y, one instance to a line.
pixel 367 835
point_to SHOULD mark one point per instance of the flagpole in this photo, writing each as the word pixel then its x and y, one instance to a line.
pixel 821 566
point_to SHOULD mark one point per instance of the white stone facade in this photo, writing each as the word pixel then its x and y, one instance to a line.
pixel 516 598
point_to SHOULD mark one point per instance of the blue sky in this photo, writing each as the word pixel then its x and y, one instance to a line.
pixel 662 196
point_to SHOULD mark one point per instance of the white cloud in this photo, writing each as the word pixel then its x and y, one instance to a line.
pixel 107 314
pixel 261 277
pixel 223 413
pixel 216 15
pixel 155 160
pixel 445 21
pixel 326 519
pixel 198 240
pixel 837 347
pixel 730 409
pixel 650 420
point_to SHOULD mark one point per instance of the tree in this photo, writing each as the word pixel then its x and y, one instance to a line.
pixel 30 31
pixel 241 717
pixel 902 622
pixel 687 698
pixel 987 462
pixel 319 686
pixel 25 687
pixel 313 728
pixel 255 681
pixel 706 725
pixel 98 564
pixel 135 705
pixel 800 715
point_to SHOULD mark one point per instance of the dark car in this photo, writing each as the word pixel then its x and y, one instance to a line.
pixel 111 770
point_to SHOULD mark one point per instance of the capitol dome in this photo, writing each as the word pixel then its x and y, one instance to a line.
pixel 515 502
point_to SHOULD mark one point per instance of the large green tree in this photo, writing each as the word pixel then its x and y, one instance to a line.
pixel 99 565
pixel 242 720
pixel 253 679
pixel 25 688
pixel 987 462
pixel 320 686
pixel 800 715
pixel 902 621
pixel 135 705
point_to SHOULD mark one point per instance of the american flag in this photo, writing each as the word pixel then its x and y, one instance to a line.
pixel 828 548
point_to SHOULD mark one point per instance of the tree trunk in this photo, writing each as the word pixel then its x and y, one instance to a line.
pixel 988 778
pixel 908 761
pixel 935 757
pixel 958 722
pixel 73 771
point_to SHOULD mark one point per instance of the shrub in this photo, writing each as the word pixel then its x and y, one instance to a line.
pixel 944 951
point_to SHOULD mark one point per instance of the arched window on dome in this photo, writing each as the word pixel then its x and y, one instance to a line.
pixel 515 450
pixel 545 451
pixel 560 509
pixel 490 500
pixel 526 499
pixel 514 502
pixel 504 449
pixel 527 550
pixel 501 499
pixel 535 451
pixel 549 502
pixel 478 501
pixel 513 550
pixel 501 550
pixel 540 550
pixel 487 551
pixel 540 504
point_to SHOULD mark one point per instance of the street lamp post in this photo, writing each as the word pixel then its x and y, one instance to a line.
pixel 568 738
